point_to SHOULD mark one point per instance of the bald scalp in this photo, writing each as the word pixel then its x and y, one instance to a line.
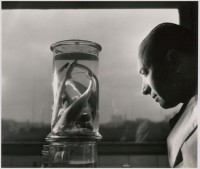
pixel 165 37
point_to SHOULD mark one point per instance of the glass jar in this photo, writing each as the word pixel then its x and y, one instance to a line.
pixel 75 113
pixel 70 154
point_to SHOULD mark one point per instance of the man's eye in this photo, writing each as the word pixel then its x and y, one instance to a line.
pixel 143 71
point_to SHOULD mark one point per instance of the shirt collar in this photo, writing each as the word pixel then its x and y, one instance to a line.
pixel 176 117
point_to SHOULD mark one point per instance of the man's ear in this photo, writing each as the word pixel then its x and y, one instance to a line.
pixel 174 60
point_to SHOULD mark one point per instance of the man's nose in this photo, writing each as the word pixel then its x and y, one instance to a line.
pixel 146 89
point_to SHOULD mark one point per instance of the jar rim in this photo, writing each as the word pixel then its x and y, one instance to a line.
pixel 75 42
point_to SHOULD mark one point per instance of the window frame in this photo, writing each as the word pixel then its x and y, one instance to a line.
pixel 188 10
pixel 103 148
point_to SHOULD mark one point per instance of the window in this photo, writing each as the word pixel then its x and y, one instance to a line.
pixel 27 69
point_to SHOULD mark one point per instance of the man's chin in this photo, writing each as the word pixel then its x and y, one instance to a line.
pixel 165 105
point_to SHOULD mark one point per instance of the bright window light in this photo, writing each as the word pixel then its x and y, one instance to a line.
pixel 27 59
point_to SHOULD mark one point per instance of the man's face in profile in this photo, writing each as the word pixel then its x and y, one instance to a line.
pixel 157 81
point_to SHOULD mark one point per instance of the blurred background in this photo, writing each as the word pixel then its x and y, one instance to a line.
pixel 27 98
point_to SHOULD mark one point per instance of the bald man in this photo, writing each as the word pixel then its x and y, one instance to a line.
pixel 168 65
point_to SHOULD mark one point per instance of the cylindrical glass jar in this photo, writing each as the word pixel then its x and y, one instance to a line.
pixel 75 112
pixel 70 154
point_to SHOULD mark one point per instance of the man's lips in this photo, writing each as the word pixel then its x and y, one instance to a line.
pixel 155 98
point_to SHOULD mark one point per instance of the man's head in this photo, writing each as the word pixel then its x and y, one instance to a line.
pixel 168 64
